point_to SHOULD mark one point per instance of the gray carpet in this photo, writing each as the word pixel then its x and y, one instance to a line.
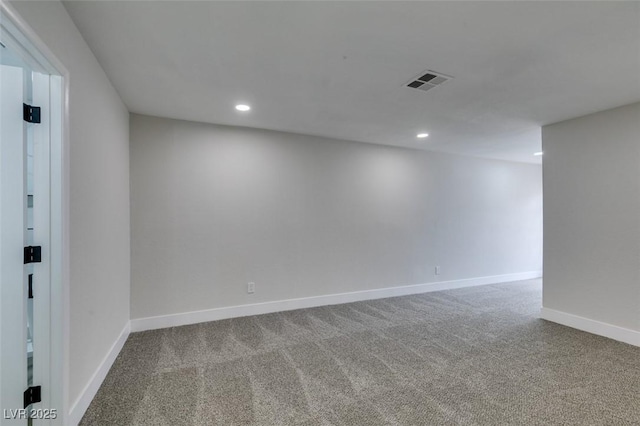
pixel 474 356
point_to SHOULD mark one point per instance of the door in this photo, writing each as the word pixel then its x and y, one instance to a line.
pixel 24 242
pixel 13 336
pixel 34 215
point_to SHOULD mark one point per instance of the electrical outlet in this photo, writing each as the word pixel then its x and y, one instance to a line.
pixel 251 287
pixel 437 271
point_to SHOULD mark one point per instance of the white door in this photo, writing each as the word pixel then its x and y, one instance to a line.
pixel 13 294
pixel 24 244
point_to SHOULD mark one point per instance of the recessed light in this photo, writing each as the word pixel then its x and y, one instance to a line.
pixel 538 154
pixel 422 135
pixel 243 108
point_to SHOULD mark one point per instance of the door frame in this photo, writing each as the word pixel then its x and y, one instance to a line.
pixel 17 34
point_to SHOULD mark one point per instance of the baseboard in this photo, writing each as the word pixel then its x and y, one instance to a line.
pixel 89 392
pixel 614 332
pixel 194 317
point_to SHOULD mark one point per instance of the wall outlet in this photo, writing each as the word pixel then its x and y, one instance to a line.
pixel 437 270
pixel 251 287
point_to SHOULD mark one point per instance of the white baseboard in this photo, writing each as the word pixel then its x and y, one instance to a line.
pixel 89 392
pixel 614 332
pixel 194 317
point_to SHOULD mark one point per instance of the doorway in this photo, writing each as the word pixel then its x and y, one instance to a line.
pixel 32 235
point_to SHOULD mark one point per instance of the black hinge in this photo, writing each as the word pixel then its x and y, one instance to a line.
pixel 30 286
pixel 30 113
pixel 32 395
pixel 32 254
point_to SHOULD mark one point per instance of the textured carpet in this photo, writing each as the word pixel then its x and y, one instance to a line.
pixel 461 357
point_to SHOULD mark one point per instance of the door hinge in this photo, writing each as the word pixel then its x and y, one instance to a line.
pixel 32 254
pixel 32 395
pixel 30 286
pixel 31 114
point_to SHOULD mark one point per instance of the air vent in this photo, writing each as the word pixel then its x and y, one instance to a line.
pixel 428 80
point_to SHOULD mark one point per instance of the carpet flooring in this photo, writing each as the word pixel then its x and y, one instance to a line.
pixel 472 356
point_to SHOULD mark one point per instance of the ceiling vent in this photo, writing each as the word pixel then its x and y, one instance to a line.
pixel 428 80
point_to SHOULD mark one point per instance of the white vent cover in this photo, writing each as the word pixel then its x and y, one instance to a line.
pixel 428 80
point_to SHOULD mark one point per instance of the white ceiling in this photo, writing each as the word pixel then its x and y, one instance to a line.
pixel 337 69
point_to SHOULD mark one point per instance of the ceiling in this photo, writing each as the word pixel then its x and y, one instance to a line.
pixel 338 69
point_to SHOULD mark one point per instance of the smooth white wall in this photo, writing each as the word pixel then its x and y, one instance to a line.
pixel 99 195
pixel 215 207
pixel 592 216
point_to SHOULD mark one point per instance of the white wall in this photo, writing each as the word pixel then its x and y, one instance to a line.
pixel 214 207
pixel 592 217
pixel 99 156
